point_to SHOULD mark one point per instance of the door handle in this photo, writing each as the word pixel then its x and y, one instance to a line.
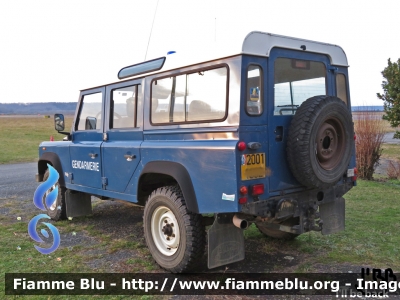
pixel 278 133
pixel 93 155
pixel 129 157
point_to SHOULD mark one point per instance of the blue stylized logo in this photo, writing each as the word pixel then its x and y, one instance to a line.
pixel 44 187
pixel 32 232
pixel 51 197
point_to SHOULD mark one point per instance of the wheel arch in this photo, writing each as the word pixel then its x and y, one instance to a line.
pixel 160 173
pixel 52 159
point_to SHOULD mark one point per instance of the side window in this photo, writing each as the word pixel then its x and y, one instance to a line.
pixel 341 87
pixel 254 104
pixel 123 107
pixel 296 81
pixel 194 97
pixel 206 95
pixel 90 112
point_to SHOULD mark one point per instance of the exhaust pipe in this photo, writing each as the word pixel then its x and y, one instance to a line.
pixel 240 223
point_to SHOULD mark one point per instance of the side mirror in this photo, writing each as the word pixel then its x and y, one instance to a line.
pixel 59 122
pixel 90 123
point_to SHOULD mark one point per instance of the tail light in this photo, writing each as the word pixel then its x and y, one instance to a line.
pixel 243 190
pixel 242 200
pixel 354 178
pixel 241 146
pixel 257 189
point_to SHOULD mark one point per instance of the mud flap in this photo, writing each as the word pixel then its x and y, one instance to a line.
pixel 332 214
pixel 78 204
pixel 225 243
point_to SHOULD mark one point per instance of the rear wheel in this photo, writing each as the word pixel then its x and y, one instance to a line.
pixel 56 211
pixel 174 236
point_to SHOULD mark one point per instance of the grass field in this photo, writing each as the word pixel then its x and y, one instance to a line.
pixel 20 137
pixel 391 151
pixel 371 239
pixel 374 115
pixel 111 240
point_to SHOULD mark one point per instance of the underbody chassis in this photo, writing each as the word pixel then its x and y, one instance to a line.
pixel 293 214
pixel 308 206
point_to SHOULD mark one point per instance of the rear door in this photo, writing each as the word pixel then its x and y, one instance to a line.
pixel 124 130
pixel 87 139
pixel 295 77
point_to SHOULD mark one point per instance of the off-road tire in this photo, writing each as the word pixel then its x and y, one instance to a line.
pixel 277 234
pixel 168 203
pixel 319 144
pixel 57 211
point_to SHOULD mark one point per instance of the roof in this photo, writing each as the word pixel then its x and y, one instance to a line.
pixel 255 43
pixel 261 43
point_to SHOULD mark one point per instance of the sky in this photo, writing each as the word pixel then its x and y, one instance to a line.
pixel 50 50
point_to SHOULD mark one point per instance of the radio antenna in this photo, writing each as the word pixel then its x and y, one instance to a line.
pixel 151 30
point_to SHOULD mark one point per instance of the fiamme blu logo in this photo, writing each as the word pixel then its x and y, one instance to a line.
pixel 41 198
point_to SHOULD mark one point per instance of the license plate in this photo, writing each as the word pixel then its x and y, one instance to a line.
pixel 253 166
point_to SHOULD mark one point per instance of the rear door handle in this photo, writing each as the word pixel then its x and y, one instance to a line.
pixel 278 133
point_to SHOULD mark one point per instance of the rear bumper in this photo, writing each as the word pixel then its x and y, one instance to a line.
pixel 318 210
pixel 269 208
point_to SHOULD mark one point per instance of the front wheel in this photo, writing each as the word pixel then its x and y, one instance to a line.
pixel 174 236
pixel 57 211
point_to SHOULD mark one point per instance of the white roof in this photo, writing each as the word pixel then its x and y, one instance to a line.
pixel 261 43
pixel 255 43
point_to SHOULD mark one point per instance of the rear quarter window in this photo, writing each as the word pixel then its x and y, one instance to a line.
pixel 254 104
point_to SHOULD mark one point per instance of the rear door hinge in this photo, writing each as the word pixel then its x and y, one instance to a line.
pixel 70 177
pixel 333 69
pixel 104 181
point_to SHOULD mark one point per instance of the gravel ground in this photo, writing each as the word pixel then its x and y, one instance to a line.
pixel 18 180
pixel 381 167
pixel 122 221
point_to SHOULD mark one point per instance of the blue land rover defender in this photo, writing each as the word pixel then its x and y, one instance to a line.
pixel 260 134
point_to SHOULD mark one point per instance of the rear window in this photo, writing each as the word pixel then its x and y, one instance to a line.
pixel 296 81
pixel 341 87
pixel 123 107
pixel 200 96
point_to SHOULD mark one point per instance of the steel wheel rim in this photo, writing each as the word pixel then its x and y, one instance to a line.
pixel 54 205
pixel 330 144
pixel 165 230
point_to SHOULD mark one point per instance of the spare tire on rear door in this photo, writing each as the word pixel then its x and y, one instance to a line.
pixel 320 144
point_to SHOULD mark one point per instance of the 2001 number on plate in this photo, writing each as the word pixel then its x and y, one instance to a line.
pixel 253 166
